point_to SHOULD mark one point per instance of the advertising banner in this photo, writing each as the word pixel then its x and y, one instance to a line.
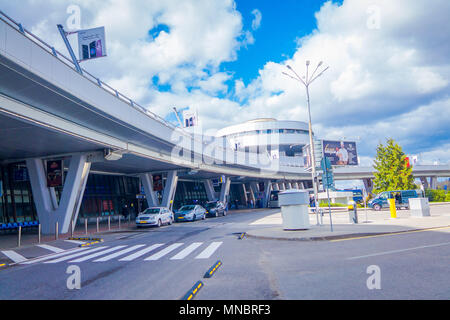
pixel 91 43
pixel 55 172
pixel 190 118
pixel 157 183
pixel 340 153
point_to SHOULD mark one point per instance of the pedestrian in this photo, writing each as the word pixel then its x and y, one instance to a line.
pixel 125 211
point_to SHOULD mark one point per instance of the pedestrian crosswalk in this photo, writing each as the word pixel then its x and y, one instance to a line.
pixel 144 252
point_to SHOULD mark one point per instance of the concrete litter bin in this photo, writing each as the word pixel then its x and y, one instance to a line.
pixel 419 207
pixel 294 209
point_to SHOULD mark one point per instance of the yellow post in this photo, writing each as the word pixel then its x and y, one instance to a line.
pixel 392 208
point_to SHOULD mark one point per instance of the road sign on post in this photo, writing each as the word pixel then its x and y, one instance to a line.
pixel 328 182
pixel 327 175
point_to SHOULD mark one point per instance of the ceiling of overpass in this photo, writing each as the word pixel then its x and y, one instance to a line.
pixel 19 139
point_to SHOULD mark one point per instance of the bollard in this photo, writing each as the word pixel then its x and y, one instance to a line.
pixel 71 228
pixel 119 222
pixel 56 231
pixel 109 222
pixel 39 233
pixel 98 229
pixel 19 236
pixel 392 208
pixel 86 225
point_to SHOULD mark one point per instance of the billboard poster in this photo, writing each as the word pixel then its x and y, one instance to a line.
pixel 55 173
pixel 340 153
pixel 91 43
pixel 190 118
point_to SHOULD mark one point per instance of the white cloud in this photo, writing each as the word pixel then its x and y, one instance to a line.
pixel 256 23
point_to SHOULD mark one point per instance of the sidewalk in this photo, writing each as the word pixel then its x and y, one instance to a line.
pixel 371 223
pixel 9 240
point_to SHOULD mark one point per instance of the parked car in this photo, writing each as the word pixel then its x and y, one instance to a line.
pixel 357 194
pixel 215 208
pixel 190 212
pixel 402 199
pixel 155 216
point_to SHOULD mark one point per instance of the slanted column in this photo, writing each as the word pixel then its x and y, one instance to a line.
pixel 433 183
pixel 424 182
pixel 267 189
pixel 169 189
pixel 225 190
pixel 48 210
pixel 368 185
pixel 210 192
pixel 150 194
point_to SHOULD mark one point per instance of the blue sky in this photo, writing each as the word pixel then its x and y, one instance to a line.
pixel 275 40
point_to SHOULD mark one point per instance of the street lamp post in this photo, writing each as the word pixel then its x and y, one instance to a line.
pixel 308 80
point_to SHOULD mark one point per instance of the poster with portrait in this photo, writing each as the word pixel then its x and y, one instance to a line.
pixel 340 153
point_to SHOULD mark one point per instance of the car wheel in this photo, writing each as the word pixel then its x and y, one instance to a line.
pixel 204 217
pixel 224 213
pixel 194 218
pixel 159 223
pixel 170 221
pixel 377 207
pixel 217 214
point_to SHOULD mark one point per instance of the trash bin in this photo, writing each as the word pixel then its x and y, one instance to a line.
pixel 419 207
pixel 353 212
pixel 294 209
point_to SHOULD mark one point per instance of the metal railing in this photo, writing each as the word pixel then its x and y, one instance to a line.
pixel 18 26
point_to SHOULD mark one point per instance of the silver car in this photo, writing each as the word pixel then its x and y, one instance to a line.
pixel 155 216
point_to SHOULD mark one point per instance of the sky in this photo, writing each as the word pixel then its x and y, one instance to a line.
pixel 388 76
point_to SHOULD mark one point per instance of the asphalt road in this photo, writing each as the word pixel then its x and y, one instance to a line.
pixel 163 264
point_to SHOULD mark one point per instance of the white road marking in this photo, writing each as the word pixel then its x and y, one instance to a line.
pixel 205 254
pixel 185 252
pixel 50 248
pixel 96 254
pixel 122 252
pixel 397 251
pixel 14 256
pixel 140 253
pixel 76 254
pixel 76 241
pixel 163 252
pixel 52 256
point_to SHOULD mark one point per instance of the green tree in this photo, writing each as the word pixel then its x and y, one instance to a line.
pixel 391 169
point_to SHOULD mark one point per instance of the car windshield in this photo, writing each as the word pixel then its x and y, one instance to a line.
pixel 187 208
pixel 151 211
pixel 210 205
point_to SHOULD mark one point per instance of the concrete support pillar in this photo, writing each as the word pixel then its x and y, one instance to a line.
pixel 48 210
pixel 368 185
pixel 267 190
pixel 433 183
pixel 210 192
pixel 225 190
pixel 169 189
pixel 150 195
pixel 244 192
pixel 424 182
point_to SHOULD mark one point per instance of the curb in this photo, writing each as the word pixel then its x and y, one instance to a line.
pixel 193 291
pixel 345 236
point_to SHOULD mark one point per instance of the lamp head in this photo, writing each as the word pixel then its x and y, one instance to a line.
pixel 307 62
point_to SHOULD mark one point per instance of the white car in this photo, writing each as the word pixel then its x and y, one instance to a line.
pixel 155 216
